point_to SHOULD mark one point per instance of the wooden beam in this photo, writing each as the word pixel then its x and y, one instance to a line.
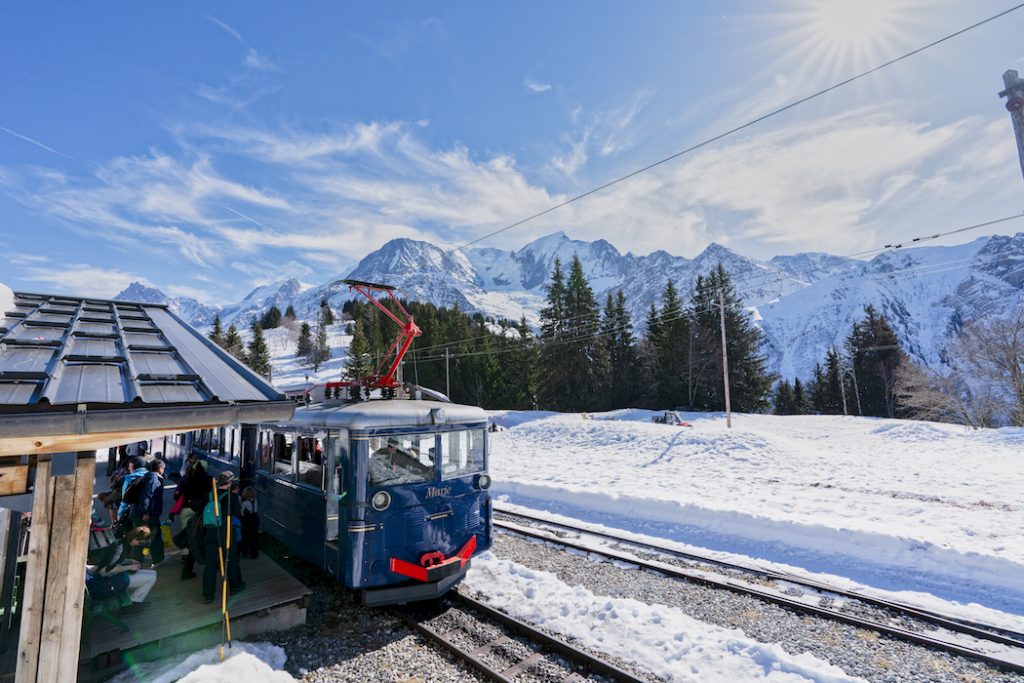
pixel 74 599
pixel 65 443
pixel 13 479
pixel 35 576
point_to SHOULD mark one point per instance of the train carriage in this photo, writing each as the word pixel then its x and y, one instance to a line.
pixel 389 496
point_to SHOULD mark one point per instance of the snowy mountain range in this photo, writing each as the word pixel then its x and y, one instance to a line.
pixel 805 302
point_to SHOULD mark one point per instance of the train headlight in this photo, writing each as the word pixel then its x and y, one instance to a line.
pixel 483 482
pixel 380 501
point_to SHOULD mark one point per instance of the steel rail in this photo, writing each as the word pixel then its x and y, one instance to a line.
pixel 1016 666
pixel 474 657
pixel 979 630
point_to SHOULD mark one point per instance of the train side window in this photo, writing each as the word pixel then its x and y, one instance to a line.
pixel 462 453
pixel 283 448
pixel 311 461
pixel 266 451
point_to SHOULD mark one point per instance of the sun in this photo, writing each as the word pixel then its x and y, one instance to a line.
pixel 836 38
pixel 854 30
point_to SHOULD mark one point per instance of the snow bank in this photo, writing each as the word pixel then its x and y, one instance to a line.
pixel 659 639
pixel 892 504
pixel 6 299
pixel 250 662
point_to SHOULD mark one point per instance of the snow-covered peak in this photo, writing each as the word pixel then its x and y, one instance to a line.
pixel 139 292
pixel 190 310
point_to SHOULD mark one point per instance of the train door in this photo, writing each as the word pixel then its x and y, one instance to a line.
pixel 335 495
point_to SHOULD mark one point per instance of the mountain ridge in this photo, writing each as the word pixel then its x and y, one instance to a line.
pixel 804 302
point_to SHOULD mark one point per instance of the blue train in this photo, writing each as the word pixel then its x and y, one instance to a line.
pixel 388 496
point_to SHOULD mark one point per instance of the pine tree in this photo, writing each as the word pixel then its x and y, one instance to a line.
pixel 783 398
pixel 290 312
pixel 799 399
pixel 233 343
pixel 749 382
pixel 271 319
pixel 876 355
pixel 671 346
pixel 217 335
pixel 320 352
pixel 258 357
pixel 551 388
pixel 305 343
pixel 582 353
pixel 326 314
pixel 819 401
pixel 833 383
pixel 357 365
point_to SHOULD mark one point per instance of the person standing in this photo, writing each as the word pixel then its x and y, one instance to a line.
pixel 219 513
pixel 147 511
pixel 194 491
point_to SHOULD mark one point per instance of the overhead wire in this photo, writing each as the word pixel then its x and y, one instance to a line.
pixel 743 126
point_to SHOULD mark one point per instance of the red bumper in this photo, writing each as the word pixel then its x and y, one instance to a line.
pixel 432 568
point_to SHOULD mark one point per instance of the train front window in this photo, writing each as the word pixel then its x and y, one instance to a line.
pixel 401 459
pixel 462 453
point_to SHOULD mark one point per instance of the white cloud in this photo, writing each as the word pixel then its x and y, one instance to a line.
pixel 82 280
pixel 256 60
pixel 536 86
pixel 572 160
pixel 230 31
pixel 338 195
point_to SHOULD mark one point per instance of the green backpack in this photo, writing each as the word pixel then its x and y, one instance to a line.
pixel 210 516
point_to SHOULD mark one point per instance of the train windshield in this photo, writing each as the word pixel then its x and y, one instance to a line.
pixel 462 453
pixel 401 459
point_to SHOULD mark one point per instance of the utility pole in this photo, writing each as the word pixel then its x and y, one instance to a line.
pixel 1014 94
pixel 725 360
pixel 447 377
pixel 842 379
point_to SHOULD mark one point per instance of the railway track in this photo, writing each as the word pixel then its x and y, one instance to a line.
pixel 996 646
pixel 500 647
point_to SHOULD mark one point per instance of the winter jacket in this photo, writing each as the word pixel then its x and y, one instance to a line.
pixel 123 508
pixel 151 500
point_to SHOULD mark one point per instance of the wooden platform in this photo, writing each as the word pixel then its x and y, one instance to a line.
pixel 174 618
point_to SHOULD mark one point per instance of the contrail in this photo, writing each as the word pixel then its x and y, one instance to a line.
pixel 37 143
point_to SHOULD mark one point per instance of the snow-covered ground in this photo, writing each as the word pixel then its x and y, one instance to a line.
pixel 291 371
pixel 657 638
pixel 928 510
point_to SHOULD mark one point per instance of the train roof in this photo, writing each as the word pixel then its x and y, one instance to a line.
pixel 383 414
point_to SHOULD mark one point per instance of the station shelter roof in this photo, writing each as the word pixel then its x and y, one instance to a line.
pixel 81 373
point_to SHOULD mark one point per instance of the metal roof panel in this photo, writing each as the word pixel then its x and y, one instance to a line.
pixel 25 358
pixel 90 383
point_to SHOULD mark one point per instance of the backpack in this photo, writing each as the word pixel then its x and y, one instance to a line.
pixel 210 516
pixel 133 494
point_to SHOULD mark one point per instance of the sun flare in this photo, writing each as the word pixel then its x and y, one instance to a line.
pixel 852 25
pixel 832 38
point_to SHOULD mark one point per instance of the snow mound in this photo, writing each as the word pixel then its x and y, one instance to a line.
pixel 657 638
pixel 250 662
pixel 893 504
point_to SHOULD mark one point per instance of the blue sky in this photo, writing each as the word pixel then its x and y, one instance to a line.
pixel 206 148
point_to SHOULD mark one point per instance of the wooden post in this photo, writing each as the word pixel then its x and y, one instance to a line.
pixel 51 627
pixel 35 575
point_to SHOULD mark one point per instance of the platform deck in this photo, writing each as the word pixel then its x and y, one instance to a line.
pixel 174 617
